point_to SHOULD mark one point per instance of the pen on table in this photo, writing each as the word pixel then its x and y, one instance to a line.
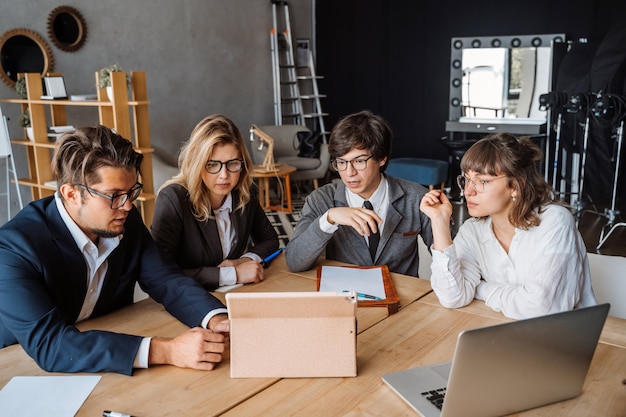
pixel 272 256
pixel 368 296
pixel 107 413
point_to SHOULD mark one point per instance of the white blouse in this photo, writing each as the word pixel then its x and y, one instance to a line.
pixel 545 271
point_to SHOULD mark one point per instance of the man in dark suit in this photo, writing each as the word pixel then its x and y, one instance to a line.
pixel 79 253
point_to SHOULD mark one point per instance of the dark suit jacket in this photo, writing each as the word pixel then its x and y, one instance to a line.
pixel 398 243
pixel 196 246
pixel 43 282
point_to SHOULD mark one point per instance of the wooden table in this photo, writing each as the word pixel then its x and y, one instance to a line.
pixel 282 175
pixel 423 333
pixel 167 390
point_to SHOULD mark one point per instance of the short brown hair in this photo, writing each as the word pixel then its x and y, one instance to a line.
pixel 362 130
pixel 79 154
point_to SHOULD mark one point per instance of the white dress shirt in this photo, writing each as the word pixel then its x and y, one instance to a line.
pixel 228 274
pixel 97 265
pixel 545 271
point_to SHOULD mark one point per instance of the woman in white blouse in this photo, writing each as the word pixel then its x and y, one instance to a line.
pixel 520 252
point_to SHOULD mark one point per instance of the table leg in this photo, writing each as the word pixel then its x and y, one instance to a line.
pixel 288 194
pixel 266 185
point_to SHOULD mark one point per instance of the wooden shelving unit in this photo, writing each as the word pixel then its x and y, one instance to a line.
pixel 115 113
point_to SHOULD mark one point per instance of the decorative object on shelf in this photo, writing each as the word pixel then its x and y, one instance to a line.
pixel 268 164
pixel 23 50
pixel 67 28
pixel 20 88
pixel 24 121
pixel 104 78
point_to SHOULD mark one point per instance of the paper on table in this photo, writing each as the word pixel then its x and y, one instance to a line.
pixel 57 396
pixel 363 280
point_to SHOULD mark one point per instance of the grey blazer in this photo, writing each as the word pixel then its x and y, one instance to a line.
pixel 398 244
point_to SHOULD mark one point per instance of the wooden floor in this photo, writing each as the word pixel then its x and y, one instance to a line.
pixel 591 222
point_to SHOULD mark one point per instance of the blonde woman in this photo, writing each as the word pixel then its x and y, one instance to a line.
pixel 206 218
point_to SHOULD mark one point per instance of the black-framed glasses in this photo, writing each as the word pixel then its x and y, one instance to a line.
pixel 359 163
pixel 478 183
pixel 117 200
pixel 234 165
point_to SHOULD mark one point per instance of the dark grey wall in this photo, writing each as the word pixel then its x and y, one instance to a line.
pixel 200 57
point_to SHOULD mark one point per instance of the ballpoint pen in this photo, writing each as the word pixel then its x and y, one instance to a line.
pixel 272 256
pixel 367 296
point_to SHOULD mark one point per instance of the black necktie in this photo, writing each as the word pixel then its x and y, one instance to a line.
pixel 374 237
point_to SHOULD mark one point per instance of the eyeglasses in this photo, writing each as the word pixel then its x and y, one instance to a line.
pixel 118 200
pixel 358 163
pixel 234 165
pixel 478 183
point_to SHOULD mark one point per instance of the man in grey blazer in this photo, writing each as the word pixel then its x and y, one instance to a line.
pixel 369 218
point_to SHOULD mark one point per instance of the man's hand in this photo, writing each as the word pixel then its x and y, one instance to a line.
pixel 360 219
pixel 197 348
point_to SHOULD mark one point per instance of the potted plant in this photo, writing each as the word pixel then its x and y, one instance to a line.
pixel 20 87
pixel 24 121
pixel 104 78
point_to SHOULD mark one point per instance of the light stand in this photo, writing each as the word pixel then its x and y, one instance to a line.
pixel 268 164
pixel 603 106
pixel 580 102
pixel 553 102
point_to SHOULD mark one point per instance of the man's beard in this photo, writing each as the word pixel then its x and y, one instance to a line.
pixel 106 233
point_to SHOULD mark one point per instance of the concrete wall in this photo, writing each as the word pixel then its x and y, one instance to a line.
pixel 200 56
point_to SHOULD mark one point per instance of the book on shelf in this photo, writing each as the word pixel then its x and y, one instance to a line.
pixel 55 88
pixel 83 97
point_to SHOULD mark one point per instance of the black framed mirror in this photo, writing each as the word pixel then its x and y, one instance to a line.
pixel 23 50
pixel 67 28
pixel 495 82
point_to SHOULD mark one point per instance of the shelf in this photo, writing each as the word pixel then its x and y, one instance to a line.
pixel 116 114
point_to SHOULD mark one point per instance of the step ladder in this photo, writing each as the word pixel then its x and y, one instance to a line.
pixel 290 105
pixel 310 98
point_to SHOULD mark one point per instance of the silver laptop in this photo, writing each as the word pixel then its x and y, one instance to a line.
pixel 507 368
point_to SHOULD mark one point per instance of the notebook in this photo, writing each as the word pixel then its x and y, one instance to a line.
pixel 292 334
pixel 507 368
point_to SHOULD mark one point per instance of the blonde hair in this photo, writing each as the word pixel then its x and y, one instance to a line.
pixel 212 131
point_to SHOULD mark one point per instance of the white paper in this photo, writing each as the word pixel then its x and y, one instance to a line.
pixel 364 281
pixel 50 396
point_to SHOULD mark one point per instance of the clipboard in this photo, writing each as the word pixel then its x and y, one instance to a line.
pixel 391 300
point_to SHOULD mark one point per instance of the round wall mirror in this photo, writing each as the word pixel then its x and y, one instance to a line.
pixel 67 28
pixel 23 50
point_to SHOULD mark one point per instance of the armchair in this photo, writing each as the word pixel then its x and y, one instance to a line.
pixel 286 152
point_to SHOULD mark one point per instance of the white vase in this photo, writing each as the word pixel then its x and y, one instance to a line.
pixel 110 93
pixel 30 134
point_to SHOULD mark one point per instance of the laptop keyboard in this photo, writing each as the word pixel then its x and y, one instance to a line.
pixel 435 396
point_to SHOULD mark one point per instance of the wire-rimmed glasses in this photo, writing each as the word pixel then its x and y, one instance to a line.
pixel 478 183
pixel 358 163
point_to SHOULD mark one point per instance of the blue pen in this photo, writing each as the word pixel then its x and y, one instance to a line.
pixel 272 256
pixel 367 296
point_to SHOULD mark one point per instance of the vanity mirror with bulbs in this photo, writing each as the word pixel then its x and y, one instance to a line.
pixel 495 82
